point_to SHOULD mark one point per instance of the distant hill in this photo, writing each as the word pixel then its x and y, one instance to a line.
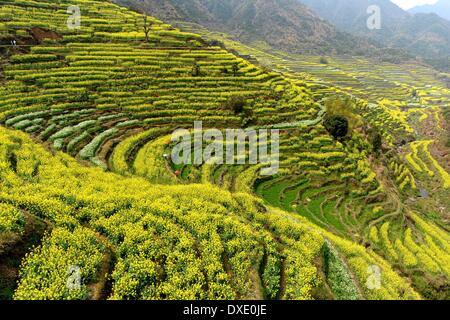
pixel 441 8
pixel 351 15
pixel 425 35
pixel 283 24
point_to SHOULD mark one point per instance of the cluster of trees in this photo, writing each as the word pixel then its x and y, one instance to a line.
pixel 340 120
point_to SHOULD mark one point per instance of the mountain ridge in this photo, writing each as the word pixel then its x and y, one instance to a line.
pixel 424 34
pixel 441 8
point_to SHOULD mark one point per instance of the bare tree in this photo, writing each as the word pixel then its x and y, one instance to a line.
pixel 146 28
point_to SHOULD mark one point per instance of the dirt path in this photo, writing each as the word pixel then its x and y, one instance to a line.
pixel 14 250
pixel 102 289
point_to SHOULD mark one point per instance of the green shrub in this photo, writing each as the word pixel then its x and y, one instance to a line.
pixel 196 71
pixel 236 104
pixel 323 60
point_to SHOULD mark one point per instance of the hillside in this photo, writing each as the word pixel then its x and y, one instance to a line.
pixel 441 8
pixel 425 35
pixel 86 184
pixel 167 245
pixel 284 24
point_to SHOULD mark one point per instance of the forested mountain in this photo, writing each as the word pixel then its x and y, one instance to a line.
pixel 425 35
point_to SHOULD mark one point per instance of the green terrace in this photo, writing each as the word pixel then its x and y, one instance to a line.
pixel 101 21
pixel 97 71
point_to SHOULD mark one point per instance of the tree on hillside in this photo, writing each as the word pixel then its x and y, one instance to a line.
pixel 235 69
pixel 147 28
pixel 345 107
pixel 337 126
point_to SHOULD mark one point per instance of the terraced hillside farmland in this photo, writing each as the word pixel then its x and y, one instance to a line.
pixel 402 102
pixel 75 103
pixel 81 96
pixel 156 242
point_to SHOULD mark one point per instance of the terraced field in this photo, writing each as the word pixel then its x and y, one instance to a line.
pixel 129 84
pixel 168 242
pixel 171 97
pixel 108 97
pixel 404 102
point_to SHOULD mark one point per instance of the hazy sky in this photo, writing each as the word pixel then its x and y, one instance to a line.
pixel 407 4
